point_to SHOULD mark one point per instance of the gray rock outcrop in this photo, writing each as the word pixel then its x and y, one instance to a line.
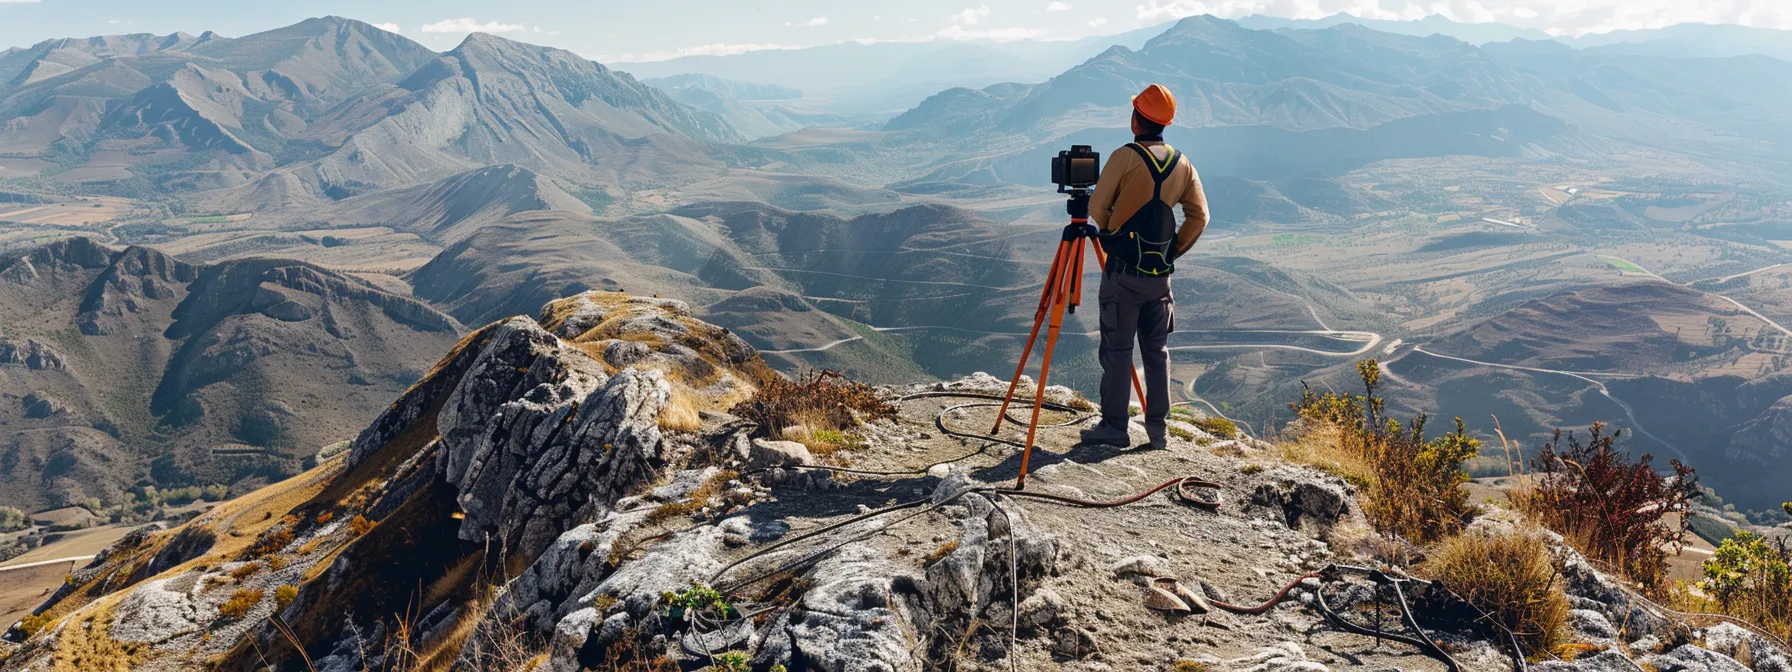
pixel 32 354
pixel 41 405
pixel 1689 658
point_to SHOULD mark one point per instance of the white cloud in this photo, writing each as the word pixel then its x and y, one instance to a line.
pixel 537 29
pixel 817 21
pixel 996 34
pixel 1571 17
pixel 718 49
pixel 970 16
pixel 466 25
pixel 1097 22
pixel 117 22
pixel 388 27
pixel 1058 6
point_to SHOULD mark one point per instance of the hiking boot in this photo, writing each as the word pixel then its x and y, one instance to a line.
pixel 1107 436
pixel 1157 437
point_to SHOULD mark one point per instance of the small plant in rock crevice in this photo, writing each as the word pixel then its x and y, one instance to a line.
pixel 730 661
pixel 697 601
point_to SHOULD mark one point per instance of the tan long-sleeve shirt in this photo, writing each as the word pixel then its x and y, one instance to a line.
pixel 1125 186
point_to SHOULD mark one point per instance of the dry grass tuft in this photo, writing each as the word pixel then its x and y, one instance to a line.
pixel 34 623
pixel 310 546
pixel 683 410
pixel 240 603
pixel 823 443
pixel 284 595
pixel 360 525
pixel 940 553
pixel 1323 445
pixel 698 499
pixel 1220 427
pixel 245 571
pixel 1511 576
pixel 1190 666
pixel 87 646
pixel 822 401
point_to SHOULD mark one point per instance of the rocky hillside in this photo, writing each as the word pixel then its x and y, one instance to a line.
pixel 127 367
pixel 536 503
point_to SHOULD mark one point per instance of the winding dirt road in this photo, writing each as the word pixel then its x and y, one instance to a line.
pixel 1584 376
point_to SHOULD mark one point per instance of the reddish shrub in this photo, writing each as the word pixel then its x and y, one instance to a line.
pixel 1611 508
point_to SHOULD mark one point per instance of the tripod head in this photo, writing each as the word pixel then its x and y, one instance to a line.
pixel 1078 209
pixel 1077 206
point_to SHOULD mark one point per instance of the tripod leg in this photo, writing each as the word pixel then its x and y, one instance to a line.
pixel 1045 366
pixel 1045 302
pixel 1076 280
pixel 1101 257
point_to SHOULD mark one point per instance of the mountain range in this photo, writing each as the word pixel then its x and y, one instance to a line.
pixel 127 367
pixel 1372 191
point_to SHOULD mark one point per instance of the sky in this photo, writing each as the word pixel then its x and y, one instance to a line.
pixel 637 30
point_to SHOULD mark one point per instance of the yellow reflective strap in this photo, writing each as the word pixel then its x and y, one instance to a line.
pixel 1154 162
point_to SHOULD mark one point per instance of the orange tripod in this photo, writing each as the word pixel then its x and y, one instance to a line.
pixel 1063 293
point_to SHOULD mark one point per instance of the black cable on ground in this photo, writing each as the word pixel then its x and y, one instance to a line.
pixel 1182 483
pixel 817 532
pixel 1013 583
pixel 1347 626
pixel 1411 622
pixel 817 555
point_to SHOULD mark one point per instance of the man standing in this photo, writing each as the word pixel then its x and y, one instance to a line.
pixel 1132 206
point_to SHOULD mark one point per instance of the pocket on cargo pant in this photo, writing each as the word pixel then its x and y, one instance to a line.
pixel 1110 322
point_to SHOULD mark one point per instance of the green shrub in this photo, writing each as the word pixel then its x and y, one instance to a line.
pixel 1751 578
pixel 11 519
pixel 1412 487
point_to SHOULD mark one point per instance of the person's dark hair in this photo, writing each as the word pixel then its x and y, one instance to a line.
pixel 1148 129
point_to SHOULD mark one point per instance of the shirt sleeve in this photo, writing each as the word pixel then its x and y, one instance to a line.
pixel 1194 213
pixel 1107 190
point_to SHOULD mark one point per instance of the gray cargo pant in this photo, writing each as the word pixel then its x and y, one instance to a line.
pixel 1135 306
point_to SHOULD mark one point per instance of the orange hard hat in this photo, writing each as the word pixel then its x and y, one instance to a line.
pixel 1155 103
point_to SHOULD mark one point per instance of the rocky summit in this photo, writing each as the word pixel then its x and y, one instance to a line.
pixel 571 492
